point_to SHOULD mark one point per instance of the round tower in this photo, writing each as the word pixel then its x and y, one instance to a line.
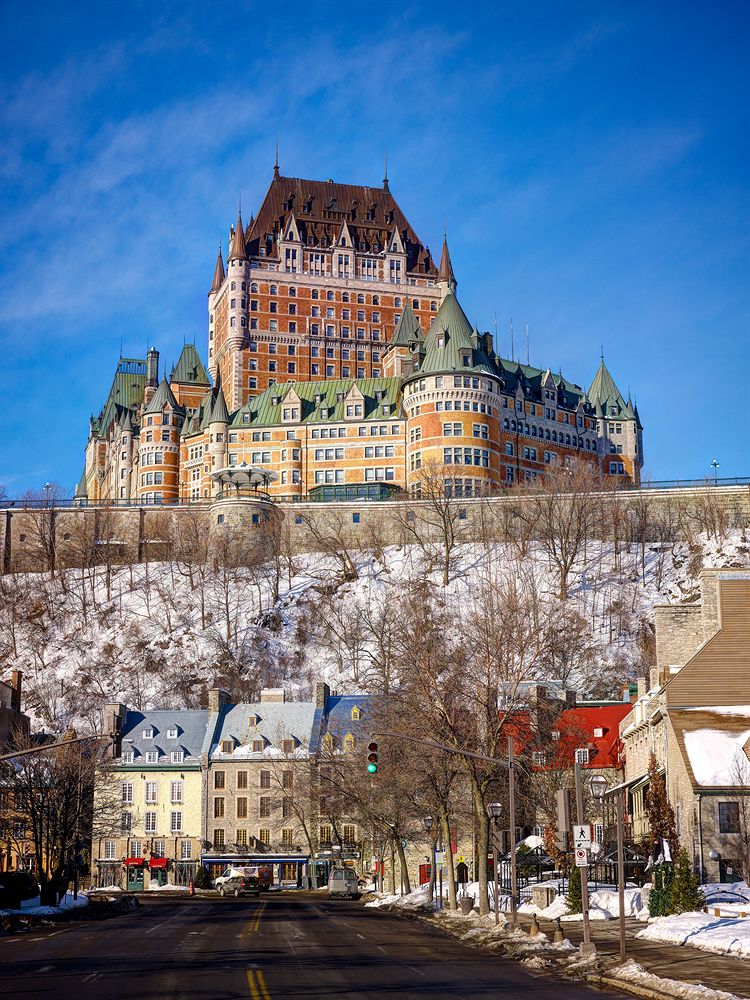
pixel 236 305
pixel 213 294
pixel 452 406
pixel 159 447
pixel 218 424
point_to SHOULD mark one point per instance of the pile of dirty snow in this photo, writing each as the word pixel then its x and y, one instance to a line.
pixel 721 935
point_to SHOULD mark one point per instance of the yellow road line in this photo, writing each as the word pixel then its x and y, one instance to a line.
pixel 256 923
pixel 257 983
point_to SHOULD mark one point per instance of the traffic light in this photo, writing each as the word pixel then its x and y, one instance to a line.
pixel 372 758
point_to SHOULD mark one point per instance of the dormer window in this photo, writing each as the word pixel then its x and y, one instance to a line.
pixel 252 721
pixel 258 746
pixel 227 746
pixel 356 713
pixel 177 756
pixel 582 755
pixel 148 733
pixel 327 742
pixel 172 734
pixel 126 757
pixel 598 733
pixel 152 756
pixel 289 746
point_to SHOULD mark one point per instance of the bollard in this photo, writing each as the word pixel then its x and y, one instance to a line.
pixel 559 934
pixel 717 912
pixel 534 929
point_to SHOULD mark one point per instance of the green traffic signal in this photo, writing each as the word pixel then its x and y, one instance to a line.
pixel 372 758
pixel 372 768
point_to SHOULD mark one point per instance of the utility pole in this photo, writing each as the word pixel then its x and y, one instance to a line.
pixel 621 868
pixel 588 948
pixel 512 808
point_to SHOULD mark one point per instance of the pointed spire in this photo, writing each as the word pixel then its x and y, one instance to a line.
pixel 276 172
pixel 219 411
pixel 445 274
pixel 237 249
pixel 161 398
pixel 385 169
pixel 219 274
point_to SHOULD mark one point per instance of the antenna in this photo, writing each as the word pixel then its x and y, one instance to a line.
pixel 385 168
pixel 512 342
pixel 276 160
pixel 527 344
pixel 497 339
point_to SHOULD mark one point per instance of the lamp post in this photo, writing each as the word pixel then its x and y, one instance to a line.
pixel 495 811
pixel 433 881
pixel 715 467
pixel 512 820
pixel 598 786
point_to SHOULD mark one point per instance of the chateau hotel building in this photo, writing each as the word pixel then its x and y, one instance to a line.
pixel 341 363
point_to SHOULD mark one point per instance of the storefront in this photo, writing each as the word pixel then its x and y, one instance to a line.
pixel 158 871
pixel 134 874
pixel 327 859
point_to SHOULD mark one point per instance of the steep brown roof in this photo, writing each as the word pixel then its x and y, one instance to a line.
pixel 237 249
pixel 320 208
pixel 446 268
pixel 218 274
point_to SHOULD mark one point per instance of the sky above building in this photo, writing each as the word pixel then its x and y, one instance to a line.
pixel 590 163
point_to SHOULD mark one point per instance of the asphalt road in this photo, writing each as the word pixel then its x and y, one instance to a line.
pixel 277 947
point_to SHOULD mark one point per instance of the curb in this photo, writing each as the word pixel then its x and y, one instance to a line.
pixel 635 989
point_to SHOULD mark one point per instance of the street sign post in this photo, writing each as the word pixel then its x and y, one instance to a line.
pixel 582 857
pixel 582 835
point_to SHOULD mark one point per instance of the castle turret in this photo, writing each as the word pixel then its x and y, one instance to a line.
pixel 402 353
pixel 159 451
pixel 619 427
pixel 218 423
pixel 452 404
pixel 446 278
pixel 216 284
pixel 235 302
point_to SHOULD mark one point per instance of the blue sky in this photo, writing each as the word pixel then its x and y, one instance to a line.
pixel 589 160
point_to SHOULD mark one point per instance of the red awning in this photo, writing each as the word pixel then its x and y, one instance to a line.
pixel 158 863
pixel 129 862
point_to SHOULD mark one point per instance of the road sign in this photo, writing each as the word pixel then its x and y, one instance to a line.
pixel 460 859
pixel 404 843
pixel 582 835
pixel 440 858
pixel 582 857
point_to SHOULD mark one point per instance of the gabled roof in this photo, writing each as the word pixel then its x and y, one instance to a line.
pixel 604 393
pixel 315 397
pixel 320 209
pixel 407 329
pixel 577 728
pixel 189 369
pixel 161 398
pixel 449 339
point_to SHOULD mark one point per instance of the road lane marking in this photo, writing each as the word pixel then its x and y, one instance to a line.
pixel 362 937
pixel 257 983
pixel 45 968
pixel 382 949
pixel 415 969
pixel 254 924
pixel 91 975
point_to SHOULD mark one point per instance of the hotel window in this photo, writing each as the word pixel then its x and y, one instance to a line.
pixel 151 791
pixel 175 792
pixel 175 822
pixel 219 807
pixel 219 779
pixel 186 850
pixel 242 808
pixel 287 837
pixel 264 836
pixel 218 839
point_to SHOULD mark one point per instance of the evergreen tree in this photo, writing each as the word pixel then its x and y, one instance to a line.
pixel 573 897
pixel 659 901
pixel 684 894
pixel 202 879
pixel 659 812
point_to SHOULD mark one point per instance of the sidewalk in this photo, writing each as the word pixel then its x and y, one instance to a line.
pixel 720 972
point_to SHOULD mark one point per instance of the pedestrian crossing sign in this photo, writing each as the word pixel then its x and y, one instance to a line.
pixel 582 836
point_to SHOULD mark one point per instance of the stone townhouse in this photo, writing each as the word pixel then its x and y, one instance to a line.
pixel 695 719
pixel 155 775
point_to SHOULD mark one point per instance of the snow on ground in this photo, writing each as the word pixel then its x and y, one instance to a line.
pixel 152 634
pixel 154 887
pixel 632 972
pixel 722 935
pixel 66 903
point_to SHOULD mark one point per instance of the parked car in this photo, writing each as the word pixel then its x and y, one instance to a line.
pixel 240 885
pixel 228 873
pixel 343 882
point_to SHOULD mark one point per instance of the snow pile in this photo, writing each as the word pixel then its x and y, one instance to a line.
pixel 609 900
pixel 557 908
pixel 722 935
pixel 717 758
pixel 66 903
pixel 419 899
pixel 155 887
pixel 632 972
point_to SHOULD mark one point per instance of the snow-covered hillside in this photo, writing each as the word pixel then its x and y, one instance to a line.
pixel 160 634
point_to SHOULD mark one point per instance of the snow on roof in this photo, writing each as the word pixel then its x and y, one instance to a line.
pixel 269 721
pixel 717 756
pixel 743 710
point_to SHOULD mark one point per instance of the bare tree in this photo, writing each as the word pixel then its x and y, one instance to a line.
pixel 437 523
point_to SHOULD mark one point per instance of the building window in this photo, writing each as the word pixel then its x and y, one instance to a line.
pixel 186 850
pixel 175 822
pixel 729 817
pixel 126 791
pixel 242 808
pixel 264 836
pixel 219 779
pixel 241 838
pixel 242 779
pixel 349 833
pixel 110 850
pixel 150 826
pixel 264 807
pixel 177 756
pixel 219 839
pixel 126 823
pixel 582 755
pixel 287 838
pixel 265 779
pixel 172 733
pixel 151 791
pixel 176 791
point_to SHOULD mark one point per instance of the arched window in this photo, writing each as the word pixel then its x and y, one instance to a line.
pixel 233 285
pixel 327 742
pixel 356 713
pixel 349 743
pixel 254 287
pixel 273 290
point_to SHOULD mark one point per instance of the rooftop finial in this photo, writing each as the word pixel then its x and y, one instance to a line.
pixel 385 168
pixel 276 160
pixel 601 345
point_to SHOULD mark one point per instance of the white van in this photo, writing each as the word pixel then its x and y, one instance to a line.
pixel 343 882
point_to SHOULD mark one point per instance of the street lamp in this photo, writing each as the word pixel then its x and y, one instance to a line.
pixel 495 811
pixel 433 868
pixel 598 786
pixel 715 467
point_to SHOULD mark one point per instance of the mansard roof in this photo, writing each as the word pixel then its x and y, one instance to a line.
pixel 319 397
pixel 320 210
pixel 189 369
pixel 604 393
pixel 161 398
pixel 450 338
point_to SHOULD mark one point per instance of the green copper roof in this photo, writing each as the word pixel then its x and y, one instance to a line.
pixel 161 398
pixel 450 341
pixel 605 394
pixel 126 392
pixel 319 397
pixel 189 369
pixel 407 329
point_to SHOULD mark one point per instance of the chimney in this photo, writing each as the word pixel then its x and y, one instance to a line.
pixel 15 697
pixel 322 694
pixel 217 699
pixel 152 367
pixel 273 694
pixel 114 719
pixel 642 686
